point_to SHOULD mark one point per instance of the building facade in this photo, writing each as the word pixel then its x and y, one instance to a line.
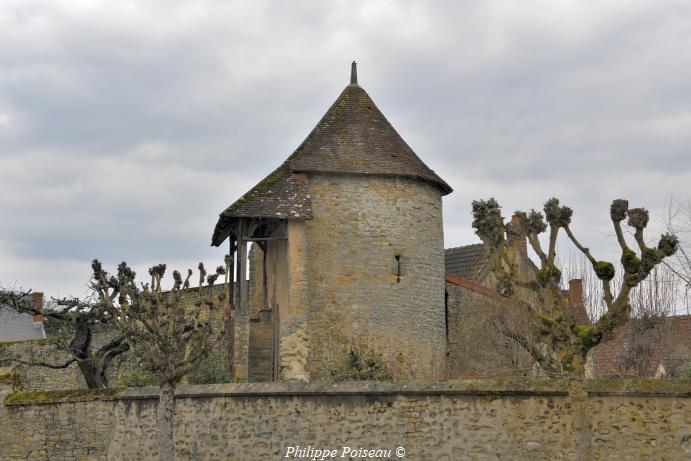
pixel 349 229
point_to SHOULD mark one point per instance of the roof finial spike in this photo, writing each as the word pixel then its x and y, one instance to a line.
pixel 353 73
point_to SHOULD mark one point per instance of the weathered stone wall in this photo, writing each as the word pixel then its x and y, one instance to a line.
pixel 255 283
pixel 461 305
pixel 52 350
pixel 359 225
pixel 261 347
pixel 293 345
pixel 475 344
pixel 470 420
pixel 191 295
pixel 261 320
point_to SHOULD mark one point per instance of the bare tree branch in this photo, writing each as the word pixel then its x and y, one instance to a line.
pixel 34 363
pixel 81 316
pixel 553 315
pixel 168 338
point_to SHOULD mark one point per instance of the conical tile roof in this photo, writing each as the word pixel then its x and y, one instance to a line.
pixel 353 137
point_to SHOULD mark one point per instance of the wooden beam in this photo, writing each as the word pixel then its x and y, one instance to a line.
pixel 241 346
pixel 239 264
pixel 231 272
pixel 245 230
pixel 265 239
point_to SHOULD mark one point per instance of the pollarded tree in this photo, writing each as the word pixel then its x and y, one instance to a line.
pixel 78 320
pixel 563 343
pixel 168 336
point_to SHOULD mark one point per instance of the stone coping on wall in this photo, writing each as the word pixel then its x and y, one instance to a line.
pixel 481 387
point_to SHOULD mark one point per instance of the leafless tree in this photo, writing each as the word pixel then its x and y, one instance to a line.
pixel 168 337
pixel 577 266
pixel 507 343
pixel 563 344
pixel 652 302
pixel 678 221
pixel 80 318
pixel 658 295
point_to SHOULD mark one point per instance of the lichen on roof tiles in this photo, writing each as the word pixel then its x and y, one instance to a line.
pixel 353 137
pixel 467 262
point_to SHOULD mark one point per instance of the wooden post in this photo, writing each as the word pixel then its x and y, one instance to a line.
pixel 239 262
pixel 242 336
pixel 230 321
pixel 242 282
pixel 231 273
pixel 265 294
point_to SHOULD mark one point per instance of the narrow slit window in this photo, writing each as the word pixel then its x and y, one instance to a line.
pixel 397 268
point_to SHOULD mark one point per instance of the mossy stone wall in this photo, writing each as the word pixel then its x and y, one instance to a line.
pixel 462 420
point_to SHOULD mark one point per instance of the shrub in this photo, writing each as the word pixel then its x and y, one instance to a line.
pixel 684 371
pixel 212 369
pixel 362 365
pixel 355 358
pixel 137 377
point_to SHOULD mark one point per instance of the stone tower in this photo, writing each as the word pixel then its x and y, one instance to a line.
pixel 350 228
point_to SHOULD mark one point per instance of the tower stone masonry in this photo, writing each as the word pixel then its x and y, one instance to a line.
pixel 349 229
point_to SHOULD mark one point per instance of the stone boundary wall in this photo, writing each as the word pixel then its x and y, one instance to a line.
pixel 461 420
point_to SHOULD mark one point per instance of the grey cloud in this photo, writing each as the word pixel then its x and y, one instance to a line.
pixel 125 130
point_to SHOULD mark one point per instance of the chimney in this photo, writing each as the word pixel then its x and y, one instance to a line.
pixel 523 244
pixel 37 300
pixel 576 292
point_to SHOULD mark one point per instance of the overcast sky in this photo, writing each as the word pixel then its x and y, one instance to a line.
pixel 127 126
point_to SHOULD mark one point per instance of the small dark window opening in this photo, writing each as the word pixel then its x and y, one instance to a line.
pixel 398 268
